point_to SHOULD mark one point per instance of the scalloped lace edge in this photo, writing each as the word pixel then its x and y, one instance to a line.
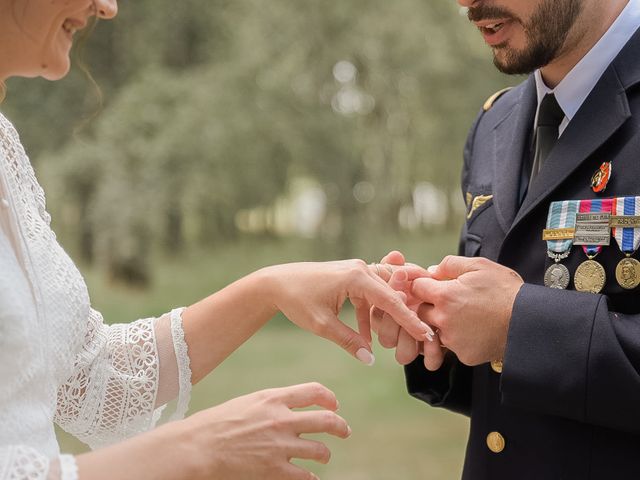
pixel 68 467
pixel 184 364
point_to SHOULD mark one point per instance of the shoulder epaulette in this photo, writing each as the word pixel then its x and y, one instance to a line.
pixel 492 99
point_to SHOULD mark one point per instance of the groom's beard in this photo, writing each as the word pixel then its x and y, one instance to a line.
pixel 546 34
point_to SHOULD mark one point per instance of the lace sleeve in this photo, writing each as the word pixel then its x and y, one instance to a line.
pixel 122 377
pixel 19 462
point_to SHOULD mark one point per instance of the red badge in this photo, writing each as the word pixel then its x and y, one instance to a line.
pixel 601 178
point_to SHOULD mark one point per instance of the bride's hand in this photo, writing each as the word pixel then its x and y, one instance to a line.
pixel 311 295
pixel 253 437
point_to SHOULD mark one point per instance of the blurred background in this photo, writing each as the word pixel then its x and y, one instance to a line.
pixel 233 134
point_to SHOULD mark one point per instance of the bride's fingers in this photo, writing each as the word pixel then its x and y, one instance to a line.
pixel 376 315
pixel 363 318
pixel 389 330
pixel 328 325
pixel 392 302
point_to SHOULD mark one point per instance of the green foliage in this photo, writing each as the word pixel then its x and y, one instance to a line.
pixel 214 108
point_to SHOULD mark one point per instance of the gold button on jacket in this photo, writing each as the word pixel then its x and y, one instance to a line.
pixel 495 442
pixel 496 366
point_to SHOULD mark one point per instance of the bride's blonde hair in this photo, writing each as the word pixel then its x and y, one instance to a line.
pixel 3 91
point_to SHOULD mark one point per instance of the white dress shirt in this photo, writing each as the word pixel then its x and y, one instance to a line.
pixel 574 89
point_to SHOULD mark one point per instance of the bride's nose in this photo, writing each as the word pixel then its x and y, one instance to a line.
pixel 106 9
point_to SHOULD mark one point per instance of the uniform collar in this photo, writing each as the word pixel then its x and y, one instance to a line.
pixel 580 81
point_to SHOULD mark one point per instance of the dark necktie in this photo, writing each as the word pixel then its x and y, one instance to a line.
pixel 550 116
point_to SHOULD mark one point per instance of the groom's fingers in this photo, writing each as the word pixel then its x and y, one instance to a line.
pixel 407 350
pixel 393 258
pixel 399 281
pixel 375 316
pixel 433 354
pixel 389 332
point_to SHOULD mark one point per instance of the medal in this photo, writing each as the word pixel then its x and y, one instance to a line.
pixel 590 277
pixel 557 276
pixel 559 234
pixel 600 179
pixel 626 230
pixel 592 233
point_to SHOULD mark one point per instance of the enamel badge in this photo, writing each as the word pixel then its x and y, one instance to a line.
pixel 601 178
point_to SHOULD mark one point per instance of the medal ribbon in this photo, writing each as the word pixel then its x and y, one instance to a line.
pixel 628 238
pixel 595 206
pixel 562 215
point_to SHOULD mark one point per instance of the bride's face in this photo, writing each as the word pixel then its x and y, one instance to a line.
pixel 36 35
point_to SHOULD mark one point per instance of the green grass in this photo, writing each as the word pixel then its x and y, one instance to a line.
pixel 395 436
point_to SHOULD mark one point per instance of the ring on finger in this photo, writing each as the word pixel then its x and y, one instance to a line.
pixel 377 267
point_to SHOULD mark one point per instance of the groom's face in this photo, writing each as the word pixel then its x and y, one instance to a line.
pixel 524 34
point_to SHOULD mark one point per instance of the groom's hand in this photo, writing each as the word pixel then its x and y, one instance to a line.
pixel 469 301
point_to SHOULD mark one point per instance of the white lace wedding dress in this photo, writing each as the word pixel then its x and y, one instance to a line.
pixel 58 361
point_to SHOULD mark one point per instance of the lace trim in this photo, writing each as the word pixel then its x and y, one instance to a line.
pixel 184 364
pixel 68 468
pixel 112 396
pixel 22 463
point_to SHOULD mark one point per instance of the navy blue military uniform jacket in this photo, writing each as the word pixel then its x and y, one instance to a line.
pixel 567 402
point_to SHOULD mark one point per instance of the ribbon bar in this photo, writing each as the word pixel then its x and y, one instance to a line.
pixel 558 234
pixel 618 221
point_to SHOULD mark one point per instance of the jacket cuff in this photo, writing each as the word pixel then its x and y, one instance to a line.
pixel 448 387
pixel 547 353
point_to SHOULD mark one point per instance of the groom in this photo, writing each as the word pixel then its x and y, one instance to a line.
pixel 549 376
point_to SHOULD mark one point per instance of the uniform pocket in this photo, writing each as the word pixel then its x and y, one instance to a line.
pixel 472 245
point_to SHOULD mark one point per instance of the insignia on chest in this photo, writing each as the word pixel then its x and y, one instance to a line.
pixel 474 203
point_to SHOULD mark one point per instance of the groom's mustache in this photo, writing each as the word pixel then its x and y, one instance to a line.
pixel 489 12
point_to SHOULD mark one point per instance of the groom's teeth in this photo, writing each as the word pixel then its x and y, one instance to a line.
pixel 496 27
pixel 68 27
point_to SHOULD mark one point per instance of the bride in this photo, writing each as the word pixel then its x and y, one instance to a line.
pixel 109 385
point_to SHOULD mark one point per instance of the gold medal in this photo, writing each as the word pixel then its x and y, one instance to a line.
pixel 590 277
pixel 628 273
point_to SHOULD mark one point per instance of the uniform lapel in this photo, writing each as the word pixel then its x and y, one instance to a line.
pixel 511 142
pixel 602 114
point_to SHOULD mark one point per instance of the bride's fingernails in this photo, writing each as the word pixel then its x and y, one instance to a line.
pixel 365 356
pixel 349 431
pixel 429 336
pixel 429 332
pixel 432 269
